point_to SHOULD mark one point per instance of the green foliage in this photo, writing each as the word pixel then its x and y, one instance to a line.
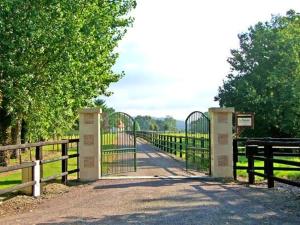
pixel 105 109
pixel 265 76
pixel 169 124
pixel 149 123
pixel 201 125
pixel 137 126
pixel 144 122
pixel 55 57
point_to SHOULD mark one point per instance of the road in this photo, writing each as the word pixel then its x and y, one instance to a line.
pixel 164 201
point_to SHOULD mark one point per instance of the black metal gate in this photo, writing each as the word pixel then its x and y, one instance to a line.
pixel 118 144
pixel 197 141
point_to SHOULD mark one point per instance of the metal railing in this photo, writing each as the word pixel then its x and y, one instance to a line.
pixel 173 144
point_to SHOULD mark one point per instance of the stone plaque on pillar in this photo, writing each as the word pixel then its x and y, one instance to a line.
pixel 222 139
pixel 222 118
pixel 89 144
pixel 221 142
pixel 222 160
pixel 88 139
pixel 88 118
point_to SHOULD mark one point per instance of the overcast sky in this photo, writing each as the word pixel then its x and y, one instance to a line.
pixel 175 54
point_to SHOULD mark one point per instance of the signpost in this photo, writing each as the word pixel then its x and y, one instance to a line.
pixel 242 121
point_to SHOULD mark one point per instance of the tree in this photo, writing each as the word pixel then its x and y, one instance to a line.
pixel 105 109
pixel 153 126
pixel 144 122
pixel 55 57
pixel 169 123
pixel 137 126
pixel 265 76
pixel 53 62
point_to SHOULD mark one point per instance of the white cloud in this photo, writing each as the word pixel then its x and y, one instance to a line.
pixel 175 55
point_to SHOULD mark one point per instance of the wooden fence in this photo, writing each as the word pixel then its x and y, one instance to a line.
pixel 269 151
pixel 39 159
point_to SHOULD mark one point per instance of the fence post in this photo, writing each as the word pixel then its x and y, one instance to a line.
pixel 235 157
pixel 159 141
pixel 39 156
pixel 171 144
pixel 38 171
pixel 175 145
pixel 268 153
pixel 202 146
pixel 180 147
pixel 64 163
pixel 250 152
pixel 37 178
pixel 77 151
pixel 167 143
pixel 194 150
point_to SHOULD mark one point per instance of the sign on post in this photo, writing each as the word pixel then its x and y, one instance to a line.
pixel 243 120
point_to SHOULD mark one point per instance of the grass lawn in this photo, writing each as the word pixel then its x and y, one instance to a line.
pixel 282 174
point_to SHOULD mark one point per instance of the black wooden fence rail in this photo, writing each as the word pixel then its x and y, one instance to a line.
pixel 265 149
pixel 39 156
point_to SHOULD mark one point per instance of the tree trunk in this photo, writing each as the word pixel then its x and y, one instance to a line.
pixel 5 136
pixel 16 137
pixel 6 140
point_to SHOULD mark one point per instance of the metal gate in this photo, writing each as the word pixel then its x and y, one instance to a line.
pixel 118 144
pixel 197 141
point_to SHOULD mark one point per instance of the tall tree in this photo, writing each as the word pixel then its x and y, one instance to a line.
pixel 265 76
pixel 105 109
pixel 144 122
pixel 169 124
pixel 55 57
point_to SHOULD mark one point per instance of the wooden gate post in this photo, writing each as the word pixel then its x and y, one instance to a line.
pixel 221 142
pixel 89 144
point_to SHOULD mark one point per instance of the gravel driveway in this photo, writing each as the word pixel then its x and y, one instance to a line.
pixel 152 162
pixel 164 201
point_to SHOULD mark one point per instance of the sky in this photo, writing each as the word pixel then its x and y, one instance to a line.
pixel 174 56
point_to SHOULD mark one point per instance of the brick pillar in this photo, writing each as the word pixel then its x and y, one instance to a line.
pixel 89 144
pixel 221 142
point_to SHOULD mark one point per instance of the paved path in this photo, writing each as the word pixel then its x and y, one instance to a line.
pixel 151 162
pixel 164 201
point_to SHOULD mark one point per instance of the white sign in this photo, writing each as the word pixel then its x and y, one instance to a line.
pixel 244 121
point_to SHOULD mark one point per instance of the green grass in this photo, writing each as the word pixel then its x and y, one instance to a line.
pixel 108 140
pixel 282 174
pixel 11 179
pixel 182 134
